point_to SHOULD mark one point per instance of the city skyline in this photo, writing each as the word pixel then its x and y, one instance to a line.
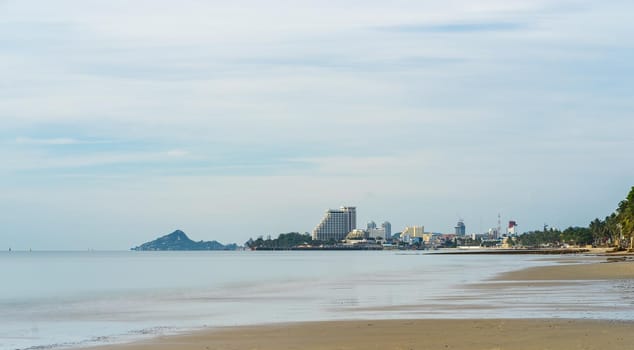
pixel 122 121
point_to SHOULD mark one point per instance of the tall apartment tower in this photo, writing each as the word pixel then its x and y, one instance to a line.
pixel 461 230
pixel 336 224
pixel 388 230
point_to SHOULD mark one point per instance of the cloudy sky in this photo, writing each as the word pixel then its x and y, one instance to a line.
pixel 124 120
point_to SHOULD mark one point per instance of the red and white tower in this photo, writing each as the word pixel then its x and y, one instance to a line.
pixel 512 228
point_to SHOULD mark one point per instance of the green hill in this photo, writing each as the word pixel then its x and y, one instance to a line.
pixel 178 240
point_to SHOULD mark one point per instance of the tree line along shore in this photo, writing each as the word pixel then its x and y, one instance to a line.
pixel 615 230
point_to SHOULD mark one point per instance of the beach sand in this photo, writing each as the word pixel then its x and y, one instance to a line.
pixel 581 272
pixel 406 334
pixel 472 334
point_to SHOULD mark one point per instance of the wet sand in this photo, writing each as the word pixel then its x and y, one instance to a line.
pixel 472 334
pixel 595 271
pixel 406 334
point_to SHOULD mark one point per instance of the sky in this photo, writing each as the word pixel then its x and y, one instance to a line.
pixel 121 121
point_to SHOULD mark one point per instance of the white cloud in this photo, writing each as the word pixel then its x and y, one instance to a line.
pixel 52 141
pixel 20 161
pixel 177 153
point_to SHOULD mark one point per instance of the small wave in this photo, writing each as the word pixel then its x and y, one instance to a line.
pixel 129 336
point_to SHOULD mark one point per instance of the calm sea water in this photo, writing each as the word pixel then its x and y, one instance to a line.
pixel 67 299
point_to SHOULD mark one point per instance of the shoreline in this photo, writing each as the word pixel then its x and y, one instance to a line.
pixel 467 334
pixel 593 271
pixel 481 333
pixel 511 251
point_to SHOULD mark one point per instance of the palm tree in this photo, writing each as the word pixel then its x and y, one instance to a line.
pixel 613 230
pixel 625 215
pixel 598 230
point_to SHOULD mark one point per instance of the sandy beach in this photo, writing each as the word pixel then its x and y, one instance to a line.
pixel 429 333
pixel 406 334
pixel 602 270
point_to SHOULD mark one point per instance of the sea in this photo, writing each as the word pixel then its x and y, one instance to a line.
pixel 59 300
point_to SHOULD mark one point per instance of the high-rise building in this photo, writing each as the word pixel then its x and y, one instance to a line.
pixel 461 229
pixel 387 227
pixel 512 231
pixel 336 224
pixel 371 225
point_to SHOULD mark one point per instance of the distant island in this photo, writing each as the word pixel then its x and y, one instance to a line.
pixel 178 240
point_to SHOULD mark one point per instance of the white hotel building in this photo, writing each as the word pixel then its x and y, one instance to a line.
pixel 336 224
